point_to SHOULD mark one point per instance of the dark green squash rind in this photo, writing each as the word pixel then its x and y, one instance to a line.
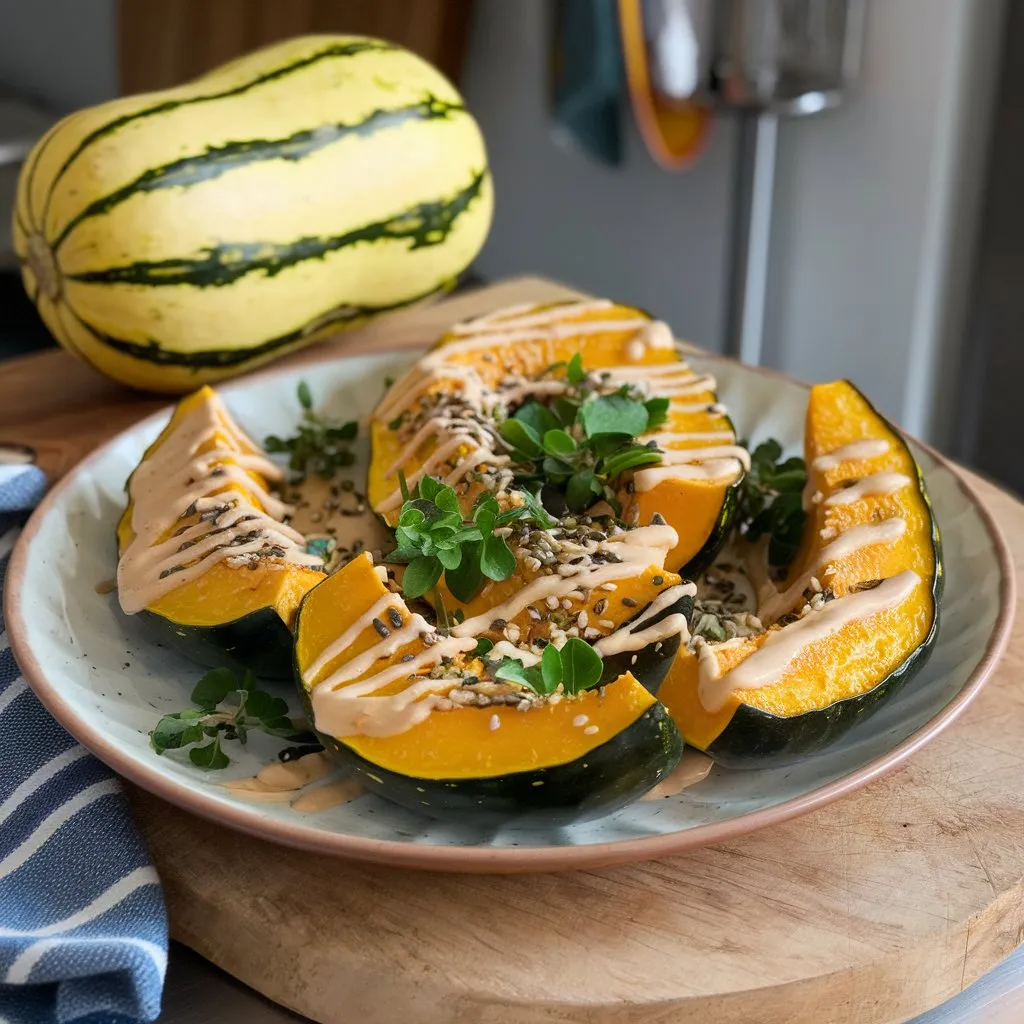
pixel 259 642
pixel 604 780
pixel 705 558
pixel 651 666
pixel 757 739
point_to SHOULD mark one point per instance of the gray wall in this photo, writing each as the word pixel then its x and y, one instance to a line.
pixel 61 53
pixel 638 234
pixel 874 214
pixel 876 210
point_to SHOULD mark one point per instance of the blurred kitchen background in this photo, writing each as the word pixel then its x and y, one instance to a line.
pixel 879 239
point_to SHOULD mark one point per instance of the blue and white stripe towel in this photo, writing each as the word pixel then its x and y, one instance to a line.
pixel 83 930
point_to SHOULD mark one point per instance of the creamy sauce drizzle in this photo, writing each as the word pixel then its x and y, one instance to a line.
pixel 278 782
pixel 458 441
pixel 346 705
pixel 178 481
pixel 693 767
pixel 767 665
pixel 869 448
pixel 875 484
pixel 854 539
pixel 713 471
pixel 631 637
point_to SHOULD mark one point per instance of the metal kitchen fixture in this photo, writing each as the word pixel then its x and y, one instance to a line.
pixel 764 59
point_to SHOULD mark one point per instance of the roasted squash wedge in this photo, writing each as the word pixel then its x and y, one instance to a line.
pixel 856 617
pixel 441 417
pixel 602 611
pixel 204 560
pixel 398 703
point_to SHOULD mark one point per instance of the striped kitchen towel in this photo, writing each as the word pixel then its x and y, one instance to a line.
pixel 83 930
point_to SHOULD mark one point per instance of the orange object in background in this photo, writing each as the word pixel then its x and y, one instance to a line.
pixel 674 131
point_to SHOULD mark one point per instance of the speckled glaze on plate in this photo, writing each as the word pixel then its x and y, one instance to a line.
pixel 107 685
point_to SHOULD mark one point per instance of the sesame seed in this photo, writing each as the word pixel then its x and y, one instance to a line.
pixel 632 660
pixel 580 720
pixel 512 632
pixel 395 617
pixel 591 634
pixel 566 603
pixel 629 602
pixel 551 601
pixel 590 730
pixel 609 586
pixel 494 723
pixel 382 630
pixel 600 606
pixel 582 619
pixel 606 623
pixel 498 624
pixel 657 580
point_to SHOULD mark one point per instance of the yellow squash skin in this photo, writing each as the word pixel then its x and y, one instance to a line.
pixel 181 237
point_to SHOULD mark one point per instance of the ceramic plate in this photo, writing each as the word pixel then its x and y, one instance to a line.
pixel 108 686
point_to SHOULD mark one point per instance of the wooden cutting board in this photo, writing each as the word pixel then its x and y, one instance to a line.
pixel 870 910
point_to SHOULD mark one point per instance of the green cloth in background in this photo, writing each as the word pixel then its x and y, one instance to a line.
pixel 588 81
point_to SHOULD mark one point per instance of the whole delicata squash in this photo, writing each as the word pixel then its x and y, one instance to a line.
pixel 444 416
pixel 856 616
pixel 205 559
pixel 418 716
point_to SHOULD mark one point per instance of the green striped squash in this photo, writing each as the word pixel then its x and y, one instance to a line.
pixel 180 237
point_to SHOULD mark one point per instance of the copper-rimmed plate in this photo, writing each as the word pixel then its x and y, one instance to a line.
pixel 107 685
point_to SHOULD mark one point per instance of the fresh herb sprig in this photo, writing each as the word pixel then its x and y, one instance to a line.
pixel 433 539
pixel 320 445
pixel 580 443
pixel 224 710
pixel 576 667
pixel 771 501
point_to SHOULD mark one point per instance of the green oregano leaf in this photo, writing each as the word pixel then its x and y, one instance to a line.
pixel 581 666
pixel 421 575
pixel 657 412
pixel 213 687
pixel 551 667
pixel 497 562
pixel 209 756
pixel 613 414
pixel 574 371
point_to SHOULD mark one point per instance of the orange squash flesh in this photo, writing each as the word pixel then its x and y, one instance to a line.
pixel 446 744
pixel 223 593
pixel 460 743
pixel 855 661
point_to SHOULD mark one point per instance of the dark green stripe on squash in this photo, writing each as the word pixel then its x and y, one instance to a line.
pixel 343 316
pixel 610 776
pixel 425 224
pixel 351 49
pixel 259 641
pixel 219 160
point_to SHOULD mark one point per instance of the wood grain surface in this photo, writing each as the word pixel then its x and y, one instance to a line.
pixel 164 44
pixel 871 910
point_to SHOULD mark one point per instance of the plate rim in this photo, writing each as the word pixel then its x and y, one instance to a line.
pixel 479 859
